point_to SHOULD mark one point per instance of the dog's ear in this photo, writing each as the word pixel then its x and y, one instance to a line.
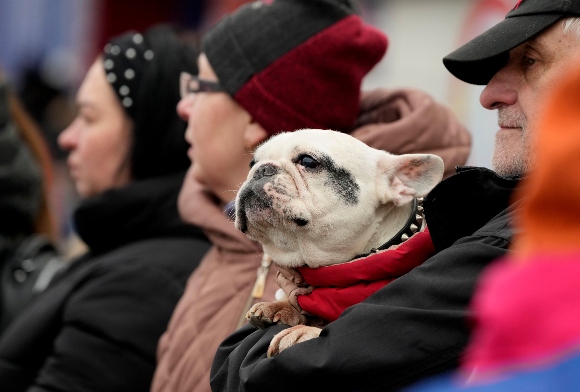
pixel 403 177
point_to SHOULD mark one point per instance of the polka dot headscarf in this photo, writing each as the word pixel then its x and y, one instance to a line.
pixel 124 59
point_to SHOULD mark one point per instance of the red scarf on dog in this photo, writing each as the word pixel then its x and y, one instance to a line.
pixel 336 287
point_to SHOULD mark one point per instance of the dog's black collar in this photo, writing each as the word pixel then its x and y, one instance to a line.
pixel 415 223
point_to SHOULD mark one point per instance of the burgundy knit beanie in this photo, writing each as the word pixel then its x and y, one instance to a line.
pixel 295 63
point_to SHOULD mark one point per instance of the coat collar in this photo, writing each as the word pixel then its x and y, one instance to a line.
pixel 464 202
pixel 140 210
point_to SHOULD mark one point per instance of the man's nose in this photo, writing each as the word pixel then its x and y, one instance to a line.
pixel 501 90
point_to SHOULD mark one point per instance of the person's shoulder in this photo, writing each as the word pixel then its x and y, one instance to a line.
pixel 472 201
pixel 499 226
pixel 167 257
pixel 151 249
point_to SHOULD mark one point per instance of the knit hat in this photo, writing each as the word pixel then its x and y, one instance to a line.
pixel 478 60
pixel 295 63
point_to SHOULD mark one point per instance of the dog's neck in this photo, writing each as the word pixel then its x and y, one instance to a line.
pixel 390 226
pixel 398 225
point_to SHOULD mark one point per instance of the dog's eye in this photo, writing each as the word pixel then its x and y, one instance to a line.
pixel 252 163
pixel 308 162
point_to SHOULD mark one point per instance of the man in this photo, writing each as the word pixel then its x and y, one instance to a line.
pixel 417 325
pixel 518 74
pixel 526 306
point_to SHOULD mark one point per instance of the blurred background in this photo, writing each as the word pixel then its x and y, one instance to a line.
pixel 46 46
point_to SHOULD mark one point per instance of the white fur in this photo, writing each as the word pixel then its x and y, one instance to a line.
pixel 336 231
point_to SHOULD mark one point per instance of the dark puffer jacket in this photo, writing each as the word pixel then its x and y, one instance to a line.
pixel 96 327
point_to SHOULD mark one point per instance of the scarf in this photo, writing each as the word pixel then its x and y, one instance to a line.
pixel 336 287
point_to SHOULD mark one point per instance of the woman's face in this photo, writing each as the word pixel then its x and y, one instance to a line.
pixel 217 132
pixel 100 137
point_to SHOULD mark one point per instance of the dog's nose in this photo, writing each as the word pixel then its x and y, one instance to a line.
pixel 266 170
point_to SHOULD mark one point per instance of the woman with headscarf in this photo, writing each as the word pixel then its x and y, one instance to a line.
pixel 96 327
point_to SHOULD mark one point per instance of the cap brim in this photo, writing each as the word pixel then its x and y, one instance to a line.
pixel 478 60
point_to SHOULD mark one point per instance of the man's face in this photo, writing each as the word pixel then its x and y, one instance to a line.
pixel 518 91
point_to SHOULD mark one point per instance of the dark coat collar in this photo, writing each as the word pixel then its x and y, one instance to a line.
pixel 464 202
pixel 140 210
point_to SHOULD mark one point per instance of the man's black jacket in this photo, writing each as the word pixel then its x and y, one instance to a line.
pixel 414 327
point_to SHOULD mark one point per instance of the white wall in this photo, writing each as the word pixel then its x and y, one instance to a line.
pixel 421 33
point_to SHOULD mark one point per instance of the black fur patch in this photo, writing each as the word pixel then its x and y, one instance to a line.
pixel 340 180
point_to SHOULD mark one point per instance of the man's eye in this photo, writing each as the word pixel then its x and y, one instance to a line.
pixel 528 61
pixel 308 162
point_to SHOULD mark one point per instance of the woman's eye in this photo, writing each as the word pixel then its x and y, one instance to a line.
pixel 308 162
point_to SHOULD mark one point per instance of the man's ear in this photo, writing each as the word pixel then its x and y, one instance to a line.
pixel 403 177
pixel 254 134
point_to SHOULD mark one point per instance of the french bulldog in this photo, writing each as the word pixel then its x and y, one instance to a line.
pixel 319 197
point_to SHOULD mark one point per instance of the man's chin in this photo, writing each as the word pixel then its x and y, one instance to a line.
pixel 510 155
pixel 509 166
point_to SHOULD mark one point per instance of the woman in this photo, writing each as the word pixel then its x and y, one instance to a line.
pixel 96 327
pixel 306 73
pixel 28 258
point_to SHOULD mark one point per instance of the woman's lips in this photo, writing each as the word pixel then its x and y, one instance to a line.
pixel 72 168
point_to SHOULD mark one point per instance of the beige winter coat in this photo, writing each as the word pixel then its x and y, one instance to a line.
pixel 399 121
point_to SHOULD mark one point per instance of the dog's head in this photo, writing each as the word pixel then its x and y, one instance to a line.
pixel 317 197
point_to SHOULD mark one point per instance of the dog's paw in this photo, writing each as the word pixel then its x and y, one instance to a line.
pixel 291 336
pixel 264 314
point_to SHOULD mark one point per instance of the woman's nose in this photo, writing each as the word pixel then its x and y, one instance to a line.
pixel 184 106
pixel 67 139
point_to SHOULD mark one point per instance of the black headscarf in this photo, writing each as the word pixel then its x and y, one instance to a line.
pixel 144 70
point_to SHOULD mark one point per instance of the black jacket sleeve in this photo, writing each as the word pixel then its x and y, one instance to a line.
pixel 413 327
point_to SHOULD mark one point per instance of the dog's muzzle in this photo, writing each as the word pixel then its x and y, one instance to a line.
pixel 252 194
pixel 266 170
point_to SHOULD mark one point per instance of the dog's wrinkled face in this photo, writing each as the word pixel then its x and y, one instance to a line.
pixel 316 197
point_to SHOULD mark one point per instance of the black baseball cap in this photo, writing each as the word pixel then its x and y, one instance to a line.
pixel 477 61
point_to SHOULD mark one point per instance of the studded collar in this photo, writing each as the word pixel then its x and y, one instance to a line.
pixel 415 223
